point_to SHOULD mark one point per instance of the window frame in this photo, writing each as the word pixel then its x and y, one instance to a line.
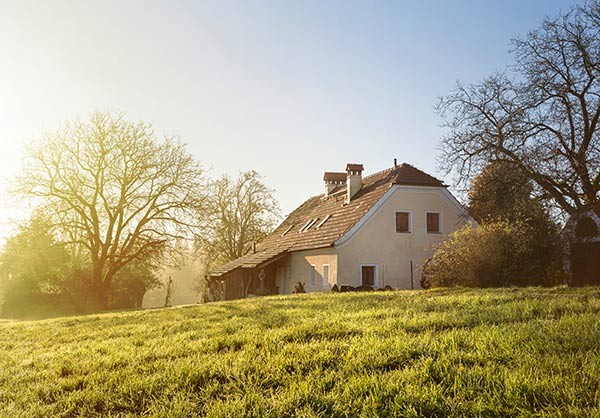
pixel 440 229
pixel 410 222
pixel 323 221
pixel 376 277
pixel 304 226
pixel 308 225
pixel 325 280
pixel 287 230
pixel 312 275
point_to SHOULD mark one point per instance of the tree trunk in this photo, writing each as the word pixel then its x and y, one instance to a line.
pixel 98 292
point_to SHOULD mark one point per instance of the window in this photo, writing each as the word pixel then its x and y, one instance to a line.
pixel 368 275
pixel 325 276
pixel 313 275
pixel 433 223
pixel 287 230
pixel 305 225
pixel 323 221
pixel 403 222
pixel 308 225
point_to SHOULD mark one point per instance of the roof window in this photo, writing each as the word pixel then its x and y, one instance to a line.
pixel 308 225
pixel 287 230
pixel 323 221
pixel 305 225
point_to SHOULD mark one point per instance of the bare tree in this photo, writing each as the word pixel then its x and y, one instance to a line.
pixel 542 114
pixel 242 211
pixel 115 190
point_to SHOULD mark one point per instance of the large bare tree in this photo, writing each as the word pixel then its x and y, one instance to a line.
pixel 541 114
pixel 115 190
pixel 242 211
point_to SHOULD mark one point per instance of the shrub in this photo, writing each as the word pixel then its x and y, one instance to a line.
pixel 492 255
pixel 32 267
pixel 299 288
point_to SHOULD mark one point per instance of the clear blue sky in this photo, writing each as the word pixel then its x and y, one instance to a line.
pixel 288 88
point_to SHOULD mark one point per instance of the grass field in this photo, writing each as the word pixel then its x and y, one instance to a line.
pixel 508 352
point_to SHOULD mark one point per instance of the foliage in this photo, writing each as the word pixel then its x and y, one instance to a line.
pixel 116 193
pixel 130 284
pixel 503 191
pixel 242 212
pixel 496 253
pixel 39 277
pixel 299 287
pixel 33 268
pixel 451 352
pixel 542 114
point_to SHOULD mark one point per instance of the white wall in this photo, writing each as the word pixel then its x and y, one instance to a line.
pixel 299 269
pixel 377 242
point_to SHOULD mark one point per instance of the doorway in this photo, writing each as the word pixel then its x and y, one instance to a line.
pixel 585 263
pixel 368 275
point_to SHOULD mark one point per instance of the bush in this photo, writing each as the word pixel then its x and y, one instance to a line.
pixel 494 254
pixel 130 284
pixel 32 267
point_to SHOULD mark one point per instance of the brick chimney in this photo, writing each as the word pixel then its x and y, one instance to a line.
pixel 353 180
pixel 332 181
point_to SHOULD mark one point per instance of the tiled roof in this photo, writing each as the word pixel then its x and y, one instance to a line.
pixel 340 217
pixel 249 260
pixel 408 175
pixel 329 175
pixel 354 167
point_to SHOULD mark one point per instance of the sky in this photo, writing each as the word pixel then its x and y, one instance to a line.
pixel 287 88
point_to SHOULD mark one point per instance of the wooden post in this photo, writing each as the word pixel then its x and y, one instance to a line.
pixel 412 281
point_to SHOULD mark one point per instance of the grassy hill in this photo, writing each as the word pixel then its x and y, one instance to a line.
pixel 509 352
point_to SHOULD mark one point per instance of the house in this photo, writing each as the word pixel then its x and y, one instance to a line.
pixel 372 231
pixel 581 239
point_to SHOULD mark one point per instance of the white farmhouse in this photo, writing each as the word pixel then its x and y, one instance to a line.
pixel 374 231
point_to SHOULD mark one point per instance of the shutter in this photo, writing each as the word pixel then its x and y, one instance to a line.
pixel 433 222
pixel 402 221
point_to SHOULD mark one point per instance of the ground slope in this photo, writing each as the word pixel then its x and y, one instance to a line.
pixel 441 353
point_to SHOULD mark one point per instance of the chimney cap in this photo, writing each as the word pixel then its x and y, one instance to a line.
pixel 333 176
pixel 354 167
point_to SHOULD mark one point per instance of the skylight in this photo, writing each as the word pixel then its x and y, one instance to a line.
pixel 308 225
pixel 311 224
pixel 287 230
pixel 305 225
pixel 323 221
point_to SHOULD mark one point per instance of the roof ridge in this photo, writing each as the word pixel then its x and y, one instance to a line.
pixel 381 172
pixel 415 168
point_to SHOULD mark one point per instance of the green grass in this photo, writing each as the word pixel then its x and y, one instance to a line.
pixel 499 352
